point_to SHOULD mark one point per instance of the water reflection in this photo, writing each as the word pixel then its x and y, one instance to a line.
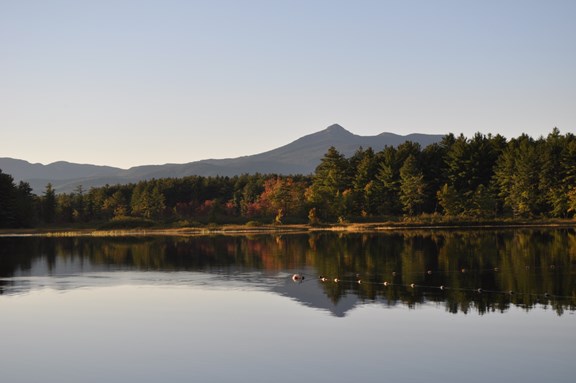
pixel 481 270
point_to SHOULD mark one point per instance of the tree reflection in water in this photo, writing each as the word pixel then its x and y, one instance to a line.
pixel 483 270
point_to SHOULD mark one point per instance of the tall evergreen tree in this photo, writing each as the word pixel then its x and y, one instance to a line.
pixel 386 186
pixel 412 186
pixel 26 206
pixel 330 180
pixel 364 170
pixel 7 200
pixel 434 171
pixel 48 203
pixel 517 177
pixel 552 174
pixel 450 200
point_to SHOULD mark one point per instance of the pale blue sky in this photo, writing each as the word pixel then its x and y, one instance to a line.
pixel 124 83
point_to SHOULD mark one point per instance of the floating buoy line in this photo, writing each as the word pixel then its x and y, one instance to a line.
pixel 300 277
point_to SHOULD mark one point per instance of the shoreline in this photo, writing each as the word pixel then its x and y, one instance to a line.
pixel 231 229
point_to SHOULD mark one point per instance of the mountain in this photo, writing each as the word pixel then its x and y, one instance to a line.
pixel 60 170
pixel 298 157
pixel 64 176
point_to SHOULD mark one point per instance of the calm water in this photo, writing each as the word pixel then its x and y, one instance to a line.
pixel 401 307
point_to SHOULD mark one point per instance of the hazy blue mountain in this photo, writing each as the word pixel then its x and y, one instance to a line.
pixel 60 170
pixel 64 176
pixel 298 157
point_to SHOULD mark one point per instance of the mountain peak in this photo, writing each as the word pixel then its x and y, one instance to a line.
pixel 337 130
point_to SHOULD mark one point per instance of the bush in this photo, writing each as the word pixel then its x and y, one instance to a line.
pixel 184 223
pixel 127 223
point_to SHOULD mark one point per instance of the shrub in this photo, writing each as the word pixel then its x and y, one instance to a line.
pixel 127 223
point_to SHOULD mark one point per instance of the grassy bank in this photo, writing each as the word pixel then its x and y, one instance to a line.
pixel 151 228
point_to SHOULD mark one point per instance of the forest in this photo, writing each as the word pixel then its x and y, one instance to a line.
pixel 480 178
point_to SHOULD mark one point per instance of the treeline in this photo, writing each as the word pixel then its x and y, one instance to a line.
pixel 483 177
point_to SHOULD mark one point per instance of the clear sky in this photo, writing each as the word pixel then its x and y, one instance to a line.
pixel 135 82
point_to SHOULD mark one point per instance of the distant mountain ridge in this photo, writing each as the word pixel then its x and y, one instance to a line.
pixel 298 157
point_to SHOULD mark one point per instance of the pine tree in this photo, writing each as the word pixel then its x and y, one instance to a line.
pixel 49 204
pixel 7 200
pixel 364 168
pixel 450 200
pixel 412 187
pixel 331 179
pixel 385 190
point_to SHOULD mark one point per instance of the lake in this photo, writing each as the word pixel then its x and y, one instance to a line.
pixel 410 306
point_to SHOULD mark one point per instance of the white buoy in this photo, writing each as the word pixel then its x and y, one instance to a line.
pixel 297 278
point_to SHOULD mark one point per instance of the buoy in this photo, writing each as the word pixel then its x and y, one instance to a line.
pixel 297 278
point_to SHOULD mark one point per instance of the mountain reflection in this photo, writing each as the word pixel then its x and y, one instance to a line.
pixel 483 270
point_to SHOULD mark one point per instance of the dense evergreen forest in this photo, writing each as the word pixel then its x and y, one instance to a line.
pixel 483 177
